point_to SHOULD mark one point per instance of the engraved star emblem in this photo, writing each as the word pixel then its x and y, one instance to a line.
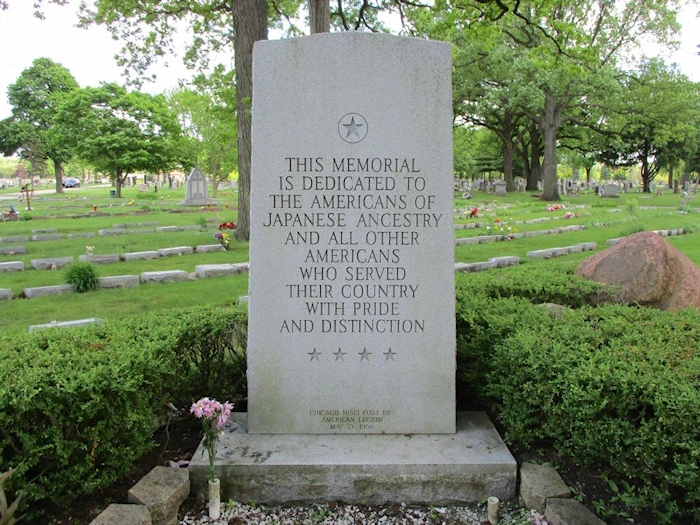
pixel 314 355
pixel 353 128
pixel 364 354
pixel 389 355
pixel 339 354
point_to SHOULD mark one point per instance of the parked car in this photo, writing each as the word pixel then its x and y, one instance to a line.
pixel 71 183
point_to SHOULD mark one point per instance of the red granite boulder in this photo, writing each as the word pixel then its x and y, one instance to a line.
pixel 650 271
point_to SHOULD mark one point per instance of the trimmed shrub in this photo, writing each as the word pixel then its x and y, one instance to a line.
pixel 615 387
pixel 78 406
pixel 612 387
pixel 82 275
pixel 493 305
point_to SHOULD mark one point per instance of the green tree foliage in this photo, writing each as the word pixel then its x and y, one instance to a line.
pixel 562 65
pixel 35 98
pixel 207 114
pixel 657 122
pixel 120 132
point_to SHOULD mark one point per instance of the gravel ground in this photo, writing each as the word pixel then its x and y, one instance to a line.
pixel 340 514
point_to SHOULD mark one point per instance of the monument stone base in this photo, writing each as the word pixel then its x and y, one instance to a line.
pixel 465 467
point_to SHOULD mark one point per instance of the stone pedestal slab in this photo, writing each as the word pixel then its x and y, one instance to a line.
pixel 373 469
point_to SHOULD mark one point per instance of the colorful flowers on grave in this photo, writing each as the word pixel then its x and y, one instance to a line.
pixel 474 212
pixel 227 225
pixel 223 238
pixel 555 207
pixel 214 416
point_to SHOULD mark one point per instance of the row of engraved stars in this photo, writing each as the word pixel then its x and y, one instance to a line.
pixel 340 355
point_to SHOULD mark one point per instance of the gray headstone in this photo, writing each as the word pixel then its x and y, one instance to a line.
pixel 15 238
pixel 100 259
pixel 51 264
pixel 500 188
pixel 5 294
pixel 41 291
pixel 119 281
pixel 177 250
pixel 207 248
pixel 611 191
pixel 196 192
pixel 111 231
pixel 167 276
pixel 12 250
pixel 351 327
pixel 141 256
pixel 203 271
pixel 47 236
pixel 11 266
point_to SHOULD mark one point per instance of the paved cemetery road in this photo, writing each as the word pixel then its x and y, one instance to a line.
pixel 14 196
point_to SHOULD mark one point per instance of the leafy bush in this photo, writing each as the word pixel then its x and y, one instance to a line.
pixel 82 275
pixel 78 406
pixel 611 386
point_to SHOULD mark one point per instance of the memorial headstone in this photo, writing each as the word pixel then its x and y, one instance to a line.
pixel 196 193
pixel 351 327
pixel 351 332
pixel 610 191
pixel 500 188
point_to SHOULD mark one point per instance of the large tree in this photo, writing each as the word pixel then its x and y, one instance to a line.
pixel 120 132
pixel 35 98
pixel 568 50
pixel 658 121
pixel 207 114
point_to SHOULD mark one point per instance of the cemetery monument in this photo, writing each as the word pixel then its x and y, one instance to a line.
pixel 351 331
pixel 196 191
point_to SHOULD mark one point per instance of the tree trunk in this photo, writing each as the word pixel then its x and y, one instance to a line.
pixel 645 174
pixel 508 165
pixel 588 176
pixel 320 14
pixel 119 179
pixel 58 169
pixel 535 153
pixel 685 177
pixel 550 121
pixel 508 147
pixel 250 25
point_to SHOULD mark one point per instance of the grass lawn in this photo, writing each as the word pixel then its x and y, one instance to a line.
pixel 74 214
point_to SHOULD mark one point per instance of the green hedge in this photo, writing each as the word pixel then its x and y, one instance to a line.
pixel 613 387
pixel 492 305
pixel 78 406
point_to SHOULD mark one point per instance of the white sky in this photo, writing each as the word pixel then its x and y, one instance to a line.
pixel 89 54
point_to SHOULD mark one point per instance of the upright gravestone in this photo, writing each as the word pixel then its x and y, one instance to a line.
pixel 351 326
pixel 196 193
pixel 351 331
pixel 499 188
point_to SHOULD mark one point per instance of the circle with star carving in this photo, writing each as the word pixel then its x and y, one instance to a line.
pixel 352 128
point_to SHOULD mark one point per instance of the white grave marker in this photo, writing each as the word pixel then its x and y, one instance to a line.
pixel 352 323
